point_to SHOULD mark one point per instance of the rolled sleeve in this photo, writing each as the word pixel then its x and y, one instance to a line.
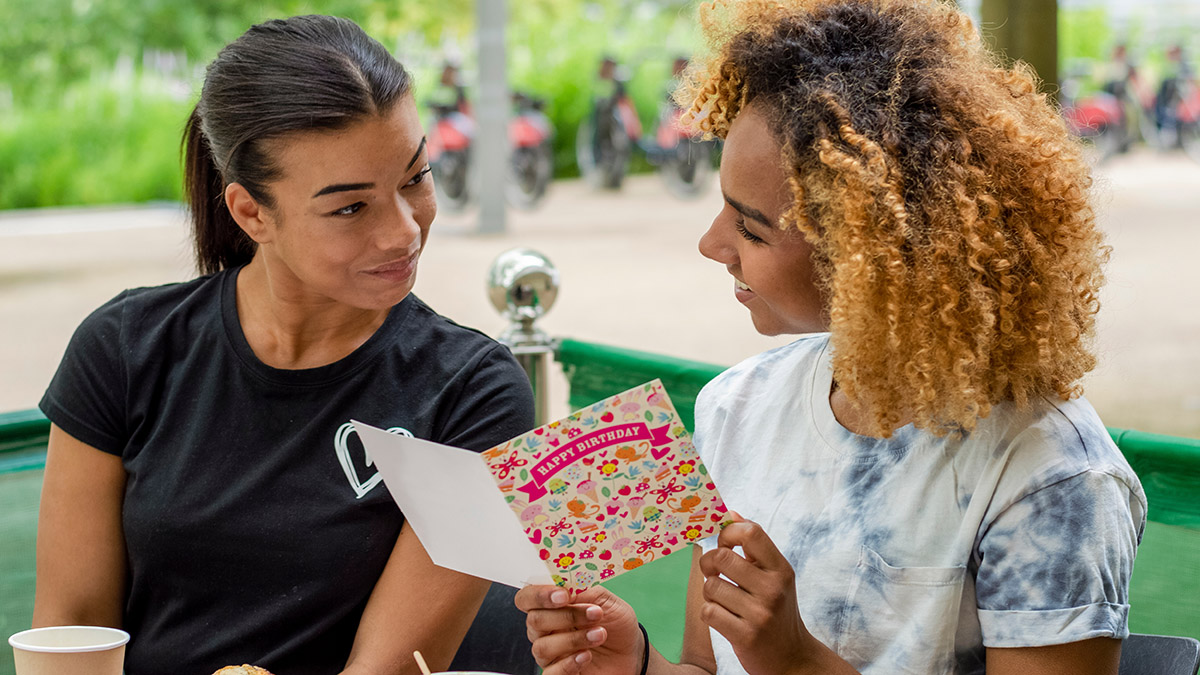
pixel 1017 628
pixel 1055 565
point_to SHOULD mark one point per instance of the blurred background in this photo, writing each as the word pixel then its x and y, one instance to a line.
pixel 94 93
pixel 92 89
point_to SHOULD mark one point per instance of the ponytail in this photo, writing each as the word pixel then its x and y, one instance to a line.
pixel 218 240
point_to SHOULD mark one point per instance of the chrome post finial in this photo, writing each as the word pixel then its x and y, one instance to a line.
pixel 522 285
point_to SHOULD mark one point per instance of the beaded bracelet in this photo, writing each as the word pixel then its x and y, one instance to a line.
pixel 645 649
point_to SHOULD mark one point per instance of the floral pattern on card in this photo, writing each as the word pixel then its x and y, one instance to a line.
pixel 609 488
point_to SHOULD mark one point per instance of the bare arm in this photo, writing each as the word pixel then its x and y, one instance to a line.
pixel 81 567
pixel 415 605
pixel 697 656
pixel 758 614
pixel 1098 656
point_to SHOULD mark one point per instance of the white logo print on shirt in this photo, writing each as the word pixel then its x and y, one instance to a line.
pixel 342 448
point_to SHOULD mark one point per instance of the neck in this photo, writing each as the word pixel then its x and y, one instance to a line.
pixel 292 330
pixel 851 416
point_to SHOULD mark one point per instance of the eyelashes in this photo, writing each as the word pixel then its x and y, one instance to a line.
pixel 740 226
pixel 354 208
pixel 348 210
pixel 420 177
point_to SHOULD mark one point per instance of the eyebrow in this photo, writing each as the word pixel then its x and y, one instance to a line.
pixel 348 187
pixel 416 154
pixel 748 211
pixel 343 187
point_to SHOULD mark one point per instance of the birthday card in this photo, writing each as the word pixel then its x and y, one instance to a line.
pixel 575 502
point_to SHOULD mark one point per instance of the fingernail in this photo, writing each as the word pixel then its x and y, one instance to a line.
pixel 559 597
pixel 593 613
pixel 595 635
pixel 581 658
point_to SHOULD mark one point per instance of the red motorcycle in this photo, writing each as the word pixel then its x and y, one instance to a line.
pixel 530 164
pixel 449 147
pixel 684 160
pixel 1098 118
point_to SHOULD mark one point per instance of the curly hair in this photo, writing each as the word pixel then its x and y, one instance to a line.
pixel 947 204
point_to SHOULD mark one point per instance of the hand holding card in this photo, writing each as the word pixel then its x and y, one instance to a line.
pixel 598 493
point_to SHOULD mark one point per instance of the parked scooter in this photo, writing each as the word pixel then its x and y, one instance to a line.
pixel 683 159
pixel 449 147
pixel 1098 118
pixel 530 164
pixel 607 139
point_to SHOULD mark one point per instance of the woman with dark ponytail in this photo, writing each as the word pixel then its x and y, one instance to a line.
pixel 204 488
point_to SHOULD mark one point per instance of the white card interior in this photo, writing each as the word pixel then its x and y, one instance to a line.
pixel 455 508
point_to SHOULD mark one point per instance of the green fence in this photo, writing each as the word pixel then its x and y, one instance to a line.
pixel 1164 591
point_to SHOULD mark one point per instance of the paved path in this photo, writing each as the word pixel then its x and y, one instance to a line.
pixel 632 277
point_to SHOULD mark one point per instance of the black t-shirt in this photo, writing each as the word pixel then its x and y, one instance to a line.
pixel 255 525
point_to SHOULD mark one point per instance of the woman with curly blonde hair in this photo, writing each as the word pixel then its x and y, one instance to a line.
pixel 923 488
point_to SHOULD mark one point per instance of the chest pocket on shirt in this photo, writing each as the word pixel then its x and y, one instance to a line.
pixel 901 619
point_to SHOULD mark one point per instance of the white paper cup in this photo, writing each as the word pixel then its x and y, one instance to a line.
pixel 69 650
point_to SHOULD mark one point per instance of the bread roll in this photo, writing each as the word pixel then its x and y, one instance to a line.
pixel 244 669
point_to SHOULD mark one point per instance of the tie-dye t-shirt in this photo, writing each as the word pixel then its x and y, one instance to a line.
pixel 912 554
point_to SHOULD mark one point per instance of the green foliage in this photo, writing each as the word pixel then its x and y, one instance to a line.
pixel 88 122
pixel 99 144
pixel 73 133
pixel 54 43
pixel 1084 33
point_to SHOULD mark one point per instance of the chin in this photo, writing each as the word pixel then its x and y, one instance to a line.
pixel 775 328
pixel 767 329
pixel 394 299
pixel 384 300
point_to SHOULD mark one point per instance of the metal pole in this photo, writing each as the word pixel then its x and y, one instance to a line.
pixel 535 360
pixel 491 147
pixel 522 285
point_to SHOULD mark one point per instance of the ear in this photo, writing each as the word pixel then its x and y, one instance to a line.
pixel 254 219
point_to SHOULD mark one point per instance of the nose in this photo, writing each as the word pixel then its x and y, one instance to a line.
pixel 400 229
pixel 715 245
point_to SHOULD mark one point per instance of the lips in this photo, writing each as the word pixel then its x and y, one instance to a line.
pixel 742 292
pixel 397 270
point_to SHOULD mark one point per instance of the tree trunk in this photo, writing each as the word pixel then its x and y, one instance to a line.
pixel 1025 30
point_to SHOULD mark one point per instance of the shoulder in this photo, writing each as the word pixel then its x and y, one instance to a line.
pixel 454 351
pixel 759 402
pixel 445 333
pixel 151 304
pixel 1049 444
pixel 1065 438
pixel 485 394
pixel 1056 547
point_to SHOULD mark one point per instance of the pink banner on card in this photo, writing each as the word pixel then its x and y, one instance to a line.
pixel 596 441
